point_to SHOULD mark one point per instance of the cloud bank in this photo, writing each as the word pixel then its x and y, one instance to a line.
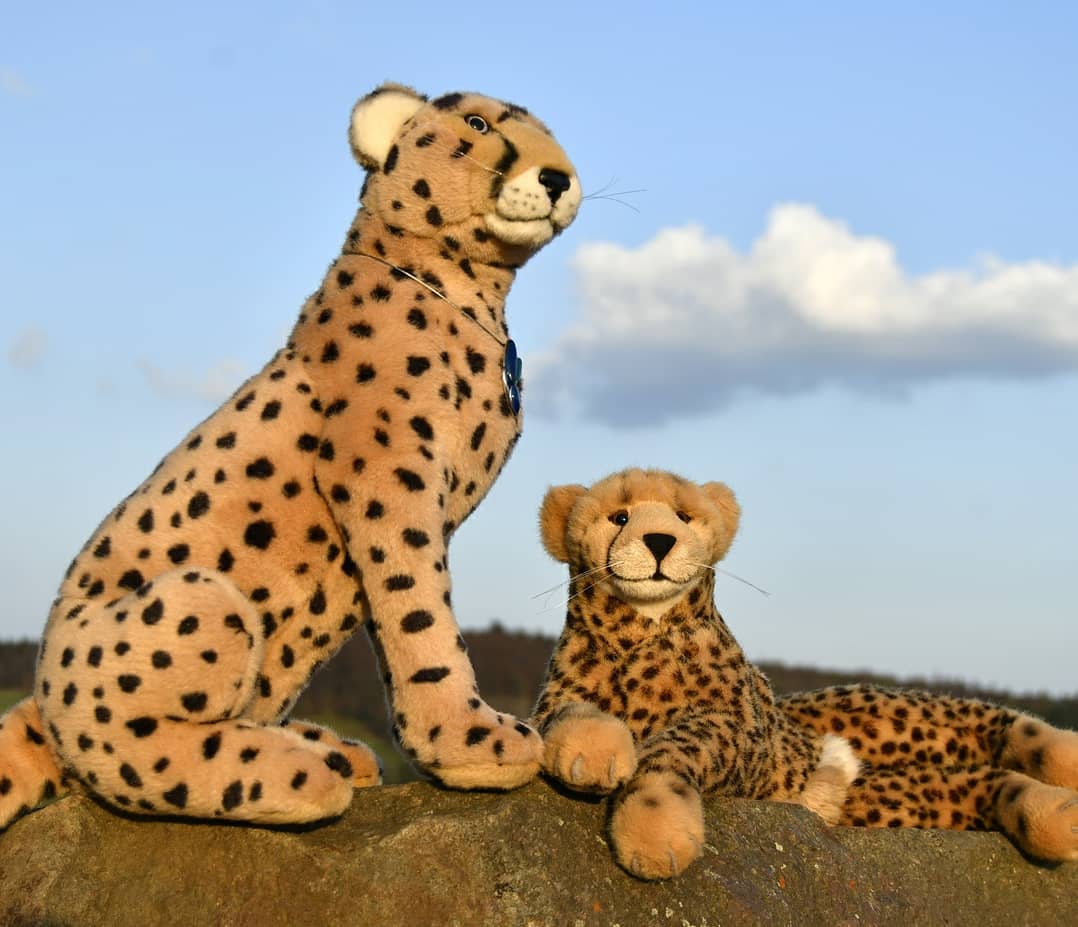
pixel 685 323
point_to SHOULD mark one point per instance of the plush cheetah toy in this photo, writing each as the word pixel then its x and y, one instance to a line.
pixel 320 497
pixel 649 697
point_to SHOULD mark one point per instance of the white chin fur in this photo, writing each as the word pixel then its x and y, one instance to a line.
pixel 528 232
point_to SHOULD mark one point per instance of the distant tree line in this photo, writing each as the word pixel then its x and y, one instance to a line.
pixel 509 666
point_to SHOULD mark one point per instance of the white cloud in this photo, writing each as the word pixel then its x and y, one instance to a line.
pixel 27 348
pixel 215 385
pixel 685 323
pixel 12 85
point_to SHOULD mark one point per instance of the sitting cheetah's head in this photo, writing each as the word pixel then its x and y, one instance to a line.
pixel 480 175
pixel 645 536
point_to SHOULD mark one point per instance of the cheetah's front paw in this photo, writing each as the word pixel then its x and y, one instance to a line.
pixel 1045 822
pixel 590 753
pixel 658 828
pixel 478 748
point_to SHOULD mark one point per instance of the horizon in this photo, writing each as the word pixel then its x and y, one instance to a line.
pixel 842 277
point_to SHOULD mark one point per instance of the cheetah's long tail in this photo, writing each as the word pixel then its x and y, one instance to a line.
pixel 28 773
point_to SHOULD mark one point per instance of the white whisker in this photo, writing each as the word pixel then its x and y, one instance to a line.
pixel 566 582
pixel 606 570
pixel 740 579
pixel 603 194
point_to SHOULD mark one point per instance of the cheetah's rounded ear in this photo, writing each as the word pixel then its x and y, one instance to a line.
pixel 377 120
pixel 723 498
pixel 554 518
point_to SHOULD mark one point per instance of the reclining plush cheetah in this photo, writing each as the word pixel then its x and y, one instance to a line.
pixel 320 496
pixel 649 697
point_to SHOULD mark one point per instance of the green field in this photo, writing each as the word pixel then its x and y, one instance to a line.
pixel 9 697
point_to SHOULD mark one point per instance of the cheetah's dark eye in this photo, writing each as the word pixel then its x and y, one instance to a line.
pixel 620 518
pixel 684 516
pixel 478 123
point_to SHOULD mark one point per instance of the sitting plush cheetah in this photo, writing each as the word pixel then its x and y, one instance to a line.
pixel 320 497
pixel 649 697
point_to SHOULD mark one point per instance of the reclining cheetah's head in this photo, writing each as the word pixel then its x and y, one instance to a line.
pixel 481 175
pixel 645 536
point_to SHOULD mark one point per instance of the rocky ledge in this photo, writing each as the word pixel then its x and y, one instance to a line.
pixel 420 856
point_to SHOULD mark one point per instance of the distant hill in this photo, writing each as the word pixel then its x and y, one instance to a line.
pixel 510 665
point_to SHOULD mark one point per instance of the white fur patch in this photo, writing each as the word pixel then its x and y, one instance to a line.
pixel 838 754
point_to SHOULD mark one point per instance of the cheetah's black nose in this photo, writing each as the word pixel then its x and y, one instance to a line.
pixel 659 545
pixel 556 183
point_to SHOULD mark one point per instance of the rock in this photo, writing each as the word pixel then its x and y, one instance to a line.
pixel 419 856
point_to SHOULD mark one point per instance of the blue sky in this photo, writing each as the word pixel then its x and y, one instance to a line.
pixel 849 288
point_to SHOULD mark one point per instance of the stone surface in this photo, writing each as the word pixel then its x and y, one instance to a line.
pixel 420 856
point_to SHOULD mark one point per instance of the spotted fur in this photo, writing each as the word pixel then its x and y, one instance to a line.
pixel 318 499
pixel 649 698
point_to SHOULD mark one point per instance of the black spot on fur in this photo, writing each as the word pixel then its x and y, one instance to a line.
pixel 477 735
pixel 417 366
pixel 199 505
pixel 259 534
pixel 194 701
pixel 391 160
pixel 338 762
pixel 232 796
pixel 142 727
pixel 178 553
pixel 177 797
pixel 211 745
pixel 431 674
pixel 153 612
pixel 415 621
pixel 132 579
pixel 260 469
pixel 412 481
pixel 447 101
pixel 128 774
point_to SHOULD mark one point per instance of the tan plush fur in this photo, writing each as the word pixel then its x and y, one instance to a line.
pixel 319 498
pixel 648 697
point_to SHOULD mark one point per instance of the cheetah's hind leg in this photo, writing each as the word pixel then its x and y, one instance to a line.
pixel 28 773
pixel 143 701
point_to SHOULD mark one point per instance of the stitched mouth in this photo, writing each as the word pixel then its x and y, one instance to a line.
pixel 527 231
pixel 525 220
